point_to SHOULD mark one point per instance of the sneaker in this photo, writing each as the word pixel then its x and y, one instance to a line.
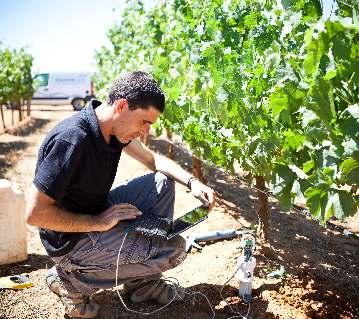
pixel 76 304
pixel 159 290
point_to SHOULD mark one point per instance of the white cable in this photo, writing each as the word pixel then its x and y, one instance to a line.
pixel 203 295
pixel 192 293
pixel 166 279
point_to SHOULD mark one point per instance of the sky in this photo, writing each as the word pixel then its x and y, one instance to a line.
pixel 63 35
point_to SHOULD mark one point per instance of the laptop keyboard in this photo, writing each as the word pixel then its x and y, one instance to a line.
pixel 180 225
pixel 151 225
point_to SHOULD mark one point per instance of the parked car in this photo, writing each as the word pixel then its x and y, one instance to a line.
pixel 63 88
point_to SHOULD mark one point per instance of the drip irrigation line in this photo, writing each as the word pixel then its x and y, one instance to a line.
pixel 305 212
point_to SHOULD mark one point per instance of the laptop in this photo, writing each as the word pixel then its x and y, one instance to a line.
pixel 157 226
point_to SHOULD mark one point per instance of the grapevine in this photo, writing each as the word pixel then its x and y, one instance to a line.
pixel 268 84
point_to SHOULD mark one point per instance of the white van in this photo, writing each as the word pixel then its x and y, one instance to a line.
pixel 63 88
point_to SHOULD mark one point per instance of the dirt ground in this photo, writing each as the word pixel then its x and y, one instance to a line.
pixel 321 278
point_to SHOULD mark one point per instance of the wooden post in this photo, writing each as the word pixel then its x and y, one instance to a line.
pixel 12 114
pixel 19 106
pixel 2 116
pixel 28 107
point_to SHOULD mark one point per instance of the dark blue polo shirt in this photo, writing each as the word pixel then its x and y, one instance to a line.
pixel 76 167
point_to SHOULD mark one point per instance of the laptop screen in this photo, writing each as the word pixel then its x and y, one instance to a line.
pixel 190 219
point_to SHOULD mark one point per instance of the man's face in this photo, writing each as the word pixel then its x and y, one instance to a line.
pixel 130 124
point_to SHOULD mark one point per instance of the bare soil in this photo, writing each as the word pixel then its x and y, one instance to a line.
pixel 321 265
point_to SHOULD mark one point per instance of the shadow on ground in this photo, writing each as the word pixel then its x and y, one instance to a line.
pixel 10 151
pixel 55 109
pixel 28 127
pixel 33 262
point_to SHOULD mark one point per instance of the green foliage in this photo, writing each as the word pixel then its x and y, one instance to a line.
pixel 15 75
pixel 269 84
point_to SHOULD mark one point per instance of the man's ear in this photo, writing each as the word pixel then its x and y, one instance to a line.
pixel 120 105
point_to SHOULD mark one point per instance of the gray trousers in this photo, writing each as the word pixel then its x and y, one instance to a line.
pixel 91 264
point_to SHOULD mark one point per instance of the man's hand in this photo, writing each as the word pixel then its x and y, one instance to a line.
pixel 204 193
pixel 111 216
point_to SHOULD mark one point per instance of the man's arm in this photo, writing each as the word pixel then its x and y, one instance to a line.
pixel 157 162
pixel 42 211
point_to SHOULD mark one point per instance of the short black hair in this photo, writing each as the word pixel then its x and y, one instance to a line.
pixel 139 89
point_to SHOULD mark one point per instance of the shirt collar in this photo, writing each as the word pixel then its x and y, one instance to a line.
pixel 114 145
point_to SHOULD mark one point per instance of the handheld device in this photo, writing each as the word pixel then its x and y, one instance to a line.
pixel 188 220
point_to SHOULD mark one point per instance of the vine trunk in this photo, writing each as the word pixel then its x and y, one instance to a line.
pixel 263 210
